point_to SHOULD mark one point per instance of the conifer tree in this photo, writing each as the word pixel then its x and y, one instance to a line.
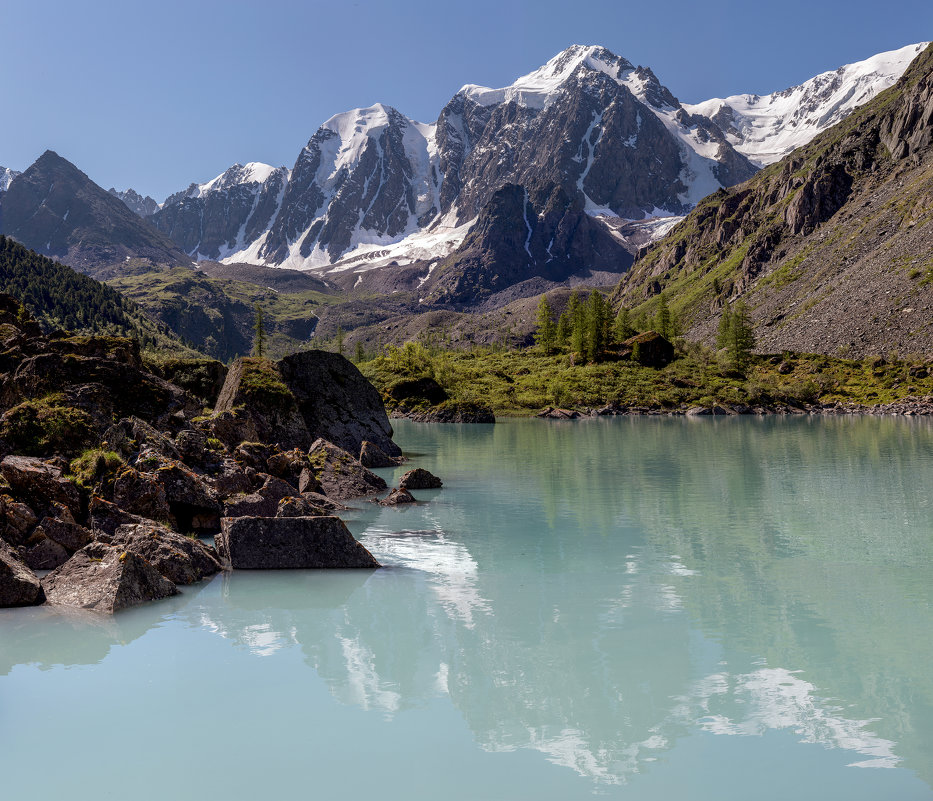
pixel 563 329
pixel 596 325
pixel 259 333
pixel 622 328
pixel 736 335
pixel 340 338
pixel 547 331
pixel 663 321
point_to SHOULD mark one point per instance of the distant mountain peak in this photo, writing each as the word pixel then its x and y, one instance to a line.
pixel 135 202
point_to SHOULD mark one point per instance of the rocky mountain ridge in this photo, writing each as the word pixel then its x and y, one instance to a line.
pixel 829 247
pixel 135 202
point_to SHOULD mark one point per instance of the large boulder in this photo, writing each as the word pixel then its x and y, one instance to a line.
pixel 16 520
pixel 106 579
pixel 264 502
pixel 336 401
pixel 264 543
pixel 181 559
pixel 139 493
pixel 19 586
pixel 261 407
pixel 340 474
pixel 396 497
pixel 40 483
pixel 649 349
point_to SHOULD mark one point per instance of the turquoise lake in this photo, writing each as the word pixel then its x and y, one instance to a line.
pixel 638 608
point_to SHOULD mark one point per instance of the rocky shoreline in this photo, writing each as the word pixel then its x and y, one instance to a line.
pixel 112 477
pixel 908 407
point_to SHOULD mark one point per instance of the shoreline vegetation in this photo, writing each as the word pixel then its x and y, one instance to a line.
pixel 421 382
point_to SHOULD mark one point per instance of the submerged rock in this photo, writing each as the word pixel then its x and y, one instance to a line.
pixel 419 478
pixel 106 579
pixel 19 586
pixel 273 543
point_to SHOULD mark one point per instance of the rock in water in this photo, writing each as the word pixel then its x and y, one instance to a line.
pixel 274 543
pixel 19 586
pixel 105 579
pixel 181 559
pixel 371 455
pixel 396 497
pixel 420 478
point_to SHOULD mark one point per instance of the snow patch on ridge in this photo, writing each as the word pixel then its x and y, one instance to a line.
pixel 765 128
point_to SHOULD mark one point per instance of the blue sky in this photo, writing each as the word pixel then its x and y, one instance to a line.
pixel 158 94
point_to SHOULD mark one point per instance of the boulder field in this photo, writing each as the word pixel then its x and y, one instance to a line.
pixel 111 474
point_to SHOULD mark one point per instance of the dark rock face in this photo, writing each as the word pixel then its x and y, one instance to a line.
pixel 336 401
pixel 19 586
pixel 43 553
pixel 340 474
pixel 139 493
pixel 650 349
pixel 209 223
pixel 17 520
pixel 58 211
pixel 181 559
pixel 419 478
pixel 105 579
pixel 259 543
pixel 68 534
pixel 40 483
pixel 264 502
pixel 523 234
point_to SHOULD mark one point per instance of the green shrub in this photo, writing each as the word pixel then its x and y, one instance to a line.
pixel 47 426
pixel 96 467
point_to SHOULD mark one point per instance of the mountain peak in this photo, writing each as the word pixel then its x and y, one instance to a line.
pixel 536 87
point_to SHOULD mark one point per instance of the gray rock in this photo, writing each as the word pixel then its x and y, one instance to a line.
pixel 19 586
pixel 181 559
pixel 397 496
pixel 264 502
pixel 40 483
pixel 70 535
pixel 340 474
pixel 105 579
pixel 371 455
pixel 419 478
pixel 139 493
pixel 336 401
pixel 43 553
pixel 261 543
pixel 16 520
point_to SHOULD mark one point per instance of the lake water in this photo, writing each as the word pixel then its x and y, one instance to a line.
pixel 639 608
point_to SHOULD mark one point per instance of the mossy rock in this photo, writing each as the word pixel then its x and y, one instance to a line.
pixel 47 426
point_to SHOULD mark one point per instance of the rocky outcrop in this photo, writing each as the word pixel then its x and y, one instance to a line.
pixel 340 474
pixel 419 478
pixel 105 579
pixel 258 543
pixel 40 483
pixel 336 401
pixel 19 586
pixel 181 559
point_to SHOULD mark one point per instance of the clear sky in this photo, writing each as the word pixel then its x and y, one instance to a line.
pixel 158 94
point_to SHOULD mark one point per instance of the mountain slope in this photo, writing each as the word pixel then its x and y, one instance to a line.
pixel 59 297
pixel 56 210
pixel 768 127
pixel 830 247
pixel 6 176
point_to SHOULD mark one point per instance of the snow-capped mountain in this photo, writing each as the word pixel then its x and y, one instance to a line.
pixel 373 186
pixel 135 202
pixel 6 176
pixel 225 215
pixel 766 128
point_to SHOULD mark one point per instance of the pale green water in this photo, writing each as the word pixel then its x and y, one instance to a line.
pixel 636 608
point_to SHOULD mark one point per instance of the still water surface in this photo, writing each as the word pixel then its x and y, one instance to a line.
pixel 630 608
